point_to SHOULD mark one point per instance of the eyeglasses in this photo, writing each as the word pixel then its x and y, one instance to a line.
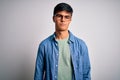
pixel 66 17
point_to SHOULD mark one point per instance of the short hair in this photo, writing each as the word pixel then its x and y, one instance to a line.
pixel 63 7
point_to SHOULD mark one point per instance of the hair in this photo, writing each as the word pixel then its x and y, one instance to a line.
pixel 63 7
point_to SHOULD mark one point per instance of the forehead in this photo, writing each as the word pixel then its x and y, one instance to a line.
pixel 63 13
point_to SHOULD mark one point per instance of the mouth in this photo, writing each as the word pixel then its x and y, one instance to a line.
pixel 62 24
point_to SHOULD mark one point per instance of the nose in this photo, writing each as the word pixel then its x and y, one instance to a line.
pixel 62 19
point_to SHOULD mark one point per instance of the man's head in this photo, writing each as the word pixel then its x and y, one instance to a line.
pixel 62 7
pixel 62 16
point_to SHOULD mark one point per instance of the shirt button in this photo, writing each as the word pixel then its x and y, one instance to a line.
pixel 56 44
pixel 76 67
pixel 56 65
pixel 55 76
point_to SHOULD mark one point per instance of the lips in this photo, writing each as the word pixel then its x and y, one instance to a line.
pixel 62 24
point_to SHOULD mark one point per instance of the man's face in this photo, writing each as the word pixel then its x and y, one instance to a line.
pixel 62 20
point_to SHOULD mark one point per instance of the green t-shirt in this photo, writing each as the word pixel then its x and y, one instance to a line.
pixel 64 62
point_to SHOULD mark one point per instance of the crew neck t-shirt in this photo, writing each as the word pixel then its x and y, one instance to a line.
pixel 64 62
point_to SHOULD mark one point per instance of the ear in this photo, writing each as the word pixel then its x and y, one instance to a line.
pixel 53 18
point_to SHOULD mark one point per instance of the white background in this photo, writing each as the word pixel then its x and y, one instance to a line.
pixel 25 23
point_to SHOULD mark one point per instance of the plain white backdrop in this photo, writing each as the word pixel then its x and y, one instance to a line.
pixel 25 23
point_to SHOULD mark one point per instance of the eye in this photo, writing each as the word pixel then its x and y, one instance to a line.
pixel 67 17
pixel 58 15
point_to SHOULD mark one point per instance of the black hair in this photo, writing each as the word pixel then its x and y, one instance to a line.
pixel 63 7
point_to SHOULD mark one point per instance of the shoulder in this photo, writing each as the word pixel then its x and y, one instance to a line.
pixel 46 41
pixel 76 40
pixel 80 45
pixel 79 42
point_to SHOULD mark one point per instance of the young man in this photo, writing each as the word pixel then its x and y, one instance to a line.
pixel 62 56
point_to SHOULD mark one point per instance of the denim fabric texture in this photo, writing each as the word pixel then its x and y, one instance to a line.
pixel 47 59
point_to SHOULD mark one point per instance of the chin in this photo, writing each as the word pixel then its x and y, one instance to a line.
pixel 62 29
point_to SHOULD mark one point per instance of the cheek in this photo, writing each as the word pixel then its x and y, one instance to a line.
pixel 68 22
pixel 57 22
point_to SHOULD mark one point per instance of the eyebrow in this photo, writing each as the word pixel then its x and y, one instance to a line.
pixel 62 15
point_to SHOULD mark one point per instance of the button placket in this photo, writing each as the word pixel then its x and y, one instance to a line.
pixel 56 62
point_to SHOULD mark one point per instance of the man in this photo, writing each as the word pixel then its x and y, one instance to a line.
pixel 62 56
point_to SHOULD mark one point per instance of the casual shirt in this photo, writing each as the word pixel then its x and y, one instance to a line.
pixel 48 54
pixel 64 62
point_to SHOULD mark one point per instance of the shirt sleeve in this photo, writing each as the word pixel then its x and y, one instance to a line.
pixel 86 64
pixel 39 67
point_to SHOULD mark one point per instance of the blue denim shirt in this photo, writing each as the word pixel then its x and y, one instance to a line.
pixel 47 59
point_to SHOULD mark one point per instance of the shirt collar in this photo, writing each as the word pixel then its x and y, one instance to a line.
pixel 71 37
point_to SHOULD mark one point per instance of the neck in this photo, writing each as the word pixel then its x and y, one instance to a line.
pixel 62 34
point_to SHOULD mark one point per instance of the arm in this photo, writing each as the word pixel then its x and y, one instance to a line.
pixel 86 64
pixel 39 67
